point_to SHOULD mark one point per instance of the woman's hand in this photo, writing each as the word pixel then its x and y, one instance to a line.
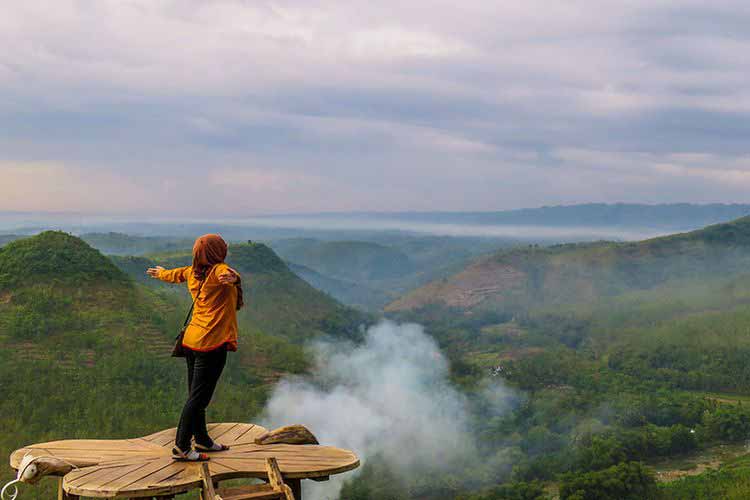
pixel 154 271
pixel 230 277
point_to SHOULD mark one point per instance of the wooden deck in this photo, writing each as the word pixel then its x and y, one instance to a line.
pixel 143 467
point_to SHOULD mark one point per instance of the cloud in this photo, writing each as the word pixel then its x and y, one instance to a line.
pixel 60 188
pixel 386 101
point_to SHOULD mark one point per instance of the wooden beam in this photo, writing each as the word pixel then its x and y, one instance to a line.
pixel 208 485
pixel 288 495
pixel 276 480
pixel 274 474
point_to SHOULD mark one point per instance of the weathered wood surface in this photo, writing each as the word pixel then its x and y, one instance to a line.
pixel 33 469
pixel 290 434
pixel 208 484
pixel 276 480
pixel 143 467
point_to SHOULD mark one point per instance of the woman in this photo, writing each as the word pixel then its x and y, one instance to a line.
pixel 217 292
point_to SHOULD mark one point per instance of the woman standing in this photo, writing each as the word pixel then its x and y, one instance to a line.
pixel 217 293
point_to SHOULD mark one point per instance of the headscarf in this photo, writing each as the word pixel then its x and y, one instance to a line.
pixel 209 250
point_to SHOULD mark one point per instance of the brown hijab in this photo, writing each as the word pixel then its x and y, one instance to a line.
pixel 209 250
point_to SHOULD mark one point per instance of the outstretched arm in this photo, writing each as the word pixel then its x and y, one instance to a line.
pixel 168 275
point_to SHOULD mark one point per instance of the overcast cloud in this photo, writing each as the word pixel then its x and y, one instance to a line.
pixel 195 107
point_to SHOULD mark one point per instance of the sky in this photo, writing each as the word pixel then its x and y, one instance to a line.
pixel 202 107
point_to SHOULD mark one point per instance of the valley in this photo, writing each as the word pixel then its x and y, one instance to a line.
pixel 577 364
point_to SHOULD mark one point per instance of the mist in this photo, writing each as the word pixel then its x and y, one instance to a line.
pixel 291 225
pixel 390 397
pixel 516 231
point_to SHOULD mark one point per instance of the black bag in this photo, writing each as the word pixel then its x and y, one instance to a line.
pixel 178 351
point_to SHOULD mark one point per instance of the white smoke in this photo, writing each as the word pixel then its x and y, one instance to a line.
pixel 388 396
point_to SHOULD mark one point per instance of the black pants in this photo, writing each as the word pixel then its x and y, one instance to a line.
pixel 204 370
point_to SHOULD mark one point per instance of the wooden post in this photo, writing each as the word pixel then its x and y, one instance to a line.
pixel 61 494
pixel 208 485
pixel 296 486
pixel 276 480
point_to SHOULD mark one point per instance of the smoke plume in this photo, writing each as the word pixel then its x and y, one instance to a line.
pixel 388 396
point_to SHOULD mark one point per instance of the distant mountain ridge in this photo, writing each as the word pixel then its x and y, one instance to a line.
pixel 616 215
pixel 535 276
pixel 674 216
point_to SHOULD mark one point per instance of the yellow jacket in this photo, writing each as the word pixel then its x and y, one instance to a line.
pixel 214 321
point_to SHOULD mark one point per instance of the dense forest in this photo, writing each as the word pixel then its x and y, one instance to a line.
pixel 606 388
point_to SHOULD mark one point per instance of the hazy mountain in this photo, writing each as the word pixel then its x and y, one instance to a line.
pixel 604 220
pixel 532 276
pixel 126 244
pixel 354 294
pixel 673 216
pixel 347 260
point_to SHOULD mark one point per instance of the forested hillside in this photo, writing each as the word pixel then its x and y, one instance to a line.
pixel 85 348
pixel 628 353
pixel 370 274
pixel 609 388
pixel 533 276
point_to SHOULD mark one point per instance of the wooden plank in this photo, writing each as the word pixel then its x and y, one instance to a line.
pixel 140 476
pixel 218 467
pixel 220 429
pixel 158 435
pixel 248 437
pixel 169 468
pixel 233 436
pixel 78 476
pixel 101 478
pixel 229 493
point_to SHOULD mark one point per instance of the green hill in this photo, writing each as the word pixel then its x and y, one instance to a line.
pixel 521 278
pixel 56 257
pixel 86 349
